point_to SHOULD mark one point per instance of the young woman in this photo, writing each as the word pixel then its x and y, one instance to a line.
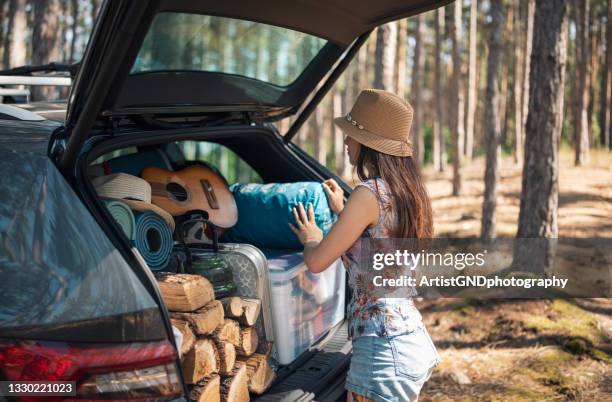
pixel 393 355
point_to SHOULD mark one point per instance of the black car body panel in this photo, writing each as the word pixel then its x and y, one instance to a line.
pixel 55 259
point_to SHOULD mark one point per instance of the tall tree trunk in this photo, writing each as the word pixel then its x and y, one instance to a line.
pixel 581 94
pixel 15 37
pixel 74 8
pixel 439 150
pixel 360 75
pixel 2 23
pixel 95 9
pixel 386 37
pixel 416 98
pixel 337 133
pixel 399 73
pixel 471 97
pixel 505 74
pixel 317 131
pixel 527 68
pixel 370 60
pixel 594 71
pixel 492 121
pixel 45 40
pixel 540 182
pixel 456 109
pixel 518 87
pixel 605 117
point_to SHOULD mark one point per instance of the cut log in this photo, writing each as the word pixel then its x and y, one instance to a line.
pixel 259 372
pixel 227 356
pixel 184 292
pixel 250 311
pixel 232 306
pixel 188 336
pixel 235 388
pixel 248 341
pixel 207 390
pixel 204 320
pixel 228 331
pixel 202 360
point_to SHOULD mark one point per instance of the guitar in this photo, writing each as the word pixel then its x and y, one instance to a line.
pixel 194 187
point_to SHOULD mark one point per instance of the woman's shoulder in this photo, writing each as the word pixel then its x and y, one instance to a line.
pixel 376 185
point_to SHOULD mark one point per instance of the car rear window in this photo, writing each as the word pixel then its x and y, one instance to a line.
pixel 180 41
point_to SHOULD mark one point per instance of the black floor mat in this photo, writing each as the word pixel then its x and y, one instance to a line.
pixel 315 376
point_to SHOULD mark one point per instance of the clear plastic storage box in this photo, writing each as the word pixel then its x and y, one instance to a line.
pixel 304 305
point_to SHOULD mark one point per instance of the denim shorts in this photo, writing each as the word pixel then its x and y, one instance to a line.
pixel 392 368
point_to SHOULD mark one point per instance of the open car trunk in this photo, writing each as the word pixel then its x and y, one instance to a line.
pixel 319 370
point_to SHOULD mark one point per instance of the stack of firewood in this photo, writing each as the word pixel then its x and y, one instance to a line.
pixel 219 340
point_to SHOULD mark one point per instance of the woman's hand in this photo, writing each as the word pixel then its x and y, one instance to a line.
pixel 306 228
pixel 335 195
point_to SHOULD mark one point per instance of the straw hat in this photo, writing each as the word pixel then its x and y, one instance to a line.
pixel 123 185
pixel 132 190
pixel 380 120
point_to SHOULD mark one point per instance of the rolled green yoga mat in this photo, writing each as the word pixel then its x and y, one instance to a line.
pixel 123 215
pixel 153 239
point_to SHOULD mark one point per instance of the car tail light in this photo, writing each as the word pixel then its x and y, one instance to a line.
pixel 141 370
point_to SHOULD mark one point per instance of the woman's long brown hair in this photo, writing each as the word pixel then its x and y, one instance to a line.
pixel 405 187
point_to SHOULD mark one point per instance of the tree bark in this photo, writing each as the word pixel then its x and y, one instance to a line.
pixel 317 132
pixel 439 149
pixel 207 389
pixel 606 91
pixel 471 98
pixel 74 8
pixel 338 135
pixel 456 109
pixel 188 335
pixel 184 292
pixel 386 37
pixel 527 69
pixel 416 97
pixel 205 320
pixel 95 9
pixel 505 74
pixel 201 361
pixel 594 68
pixel 581 94
pixel 492 121
pixel 518 89
pixel 15 37
pixel 540 181
pixel 399 73
pixel 2 24
pixel 45 41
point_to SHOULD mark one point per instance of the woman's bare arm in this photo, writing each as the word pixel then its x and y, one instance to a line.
pixel 360 212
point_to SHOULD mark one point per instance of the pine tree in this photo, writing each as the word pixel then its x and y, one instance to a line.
pixel 45 43
pixel 492 121
pixel 456 100
pixel 471 98
pixel 386 36
pixel 439 149
pixel 540 181
pixel 581 92
pixel 416 97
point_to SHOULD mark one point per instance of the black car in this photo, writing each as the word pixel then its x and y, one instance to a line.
pixel 74 298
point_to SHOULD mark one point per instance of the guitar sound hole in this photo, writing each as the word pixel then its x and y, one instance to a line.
pixel 176 191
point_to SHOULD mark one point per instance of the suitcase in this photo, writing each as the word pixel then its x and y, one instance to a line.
pixel 249 269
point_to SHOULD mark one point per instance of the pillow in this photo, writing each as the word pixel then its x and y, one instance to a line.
pixel 264 213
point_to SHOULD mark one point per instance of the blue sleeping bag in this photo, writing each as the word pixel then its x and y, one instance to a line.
pixel 265 210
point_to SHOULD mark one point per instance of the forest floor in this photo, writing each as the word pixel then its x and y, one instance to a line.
pixel 523 350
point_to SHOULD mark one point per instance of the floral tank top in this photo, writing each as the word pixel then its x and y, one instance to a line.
pixel 369 312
